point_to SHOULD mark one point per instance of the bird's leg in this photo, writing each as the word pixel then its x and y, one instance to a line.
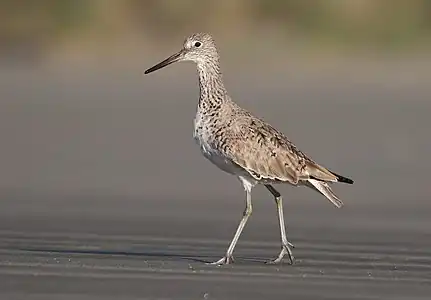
pixel 228 258
pixel 285 244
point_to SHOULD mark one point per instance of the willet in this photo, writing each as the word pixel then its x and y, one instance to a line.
pixel 244 145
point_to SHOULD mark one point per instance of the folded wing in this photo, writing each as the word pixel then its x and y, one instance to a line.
pixel 267 154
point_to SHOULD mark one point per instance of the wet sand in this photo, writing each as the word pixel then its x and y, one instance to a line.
pixel 105 196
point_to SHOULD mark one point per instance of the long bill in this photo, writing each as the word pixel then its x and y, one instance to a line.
pixel 171 59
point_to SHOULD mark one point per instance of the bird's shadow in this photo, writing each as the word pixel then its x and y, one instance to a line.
pixel 148 255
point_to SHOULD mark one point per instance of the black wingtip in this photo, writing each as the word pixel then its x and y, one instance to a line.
pixel 343 179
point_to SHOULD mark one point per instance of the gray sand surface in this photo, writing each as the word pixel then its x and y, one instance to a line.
pixel 104 195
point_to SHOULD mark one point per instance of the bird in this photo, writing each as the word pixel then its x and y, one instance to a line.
pixel 246 146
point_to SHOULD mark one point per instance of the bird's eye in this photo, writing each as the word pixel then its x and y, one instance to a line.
pixel 198 44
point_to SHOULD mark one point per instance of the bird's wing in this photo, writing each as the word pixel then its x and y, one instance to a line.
pixel 266 153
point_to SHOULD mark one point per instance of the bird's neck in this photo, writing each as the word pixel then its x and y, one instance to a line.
pixel 212 90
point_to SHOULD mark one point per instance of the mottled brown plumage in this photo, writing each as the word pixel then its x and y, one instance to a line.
pixel 244 145
pixel 263 151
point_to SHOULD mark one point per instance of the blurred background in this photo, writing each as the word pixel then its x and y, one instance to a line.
pixel 42 30
pixel 96 156
pixel 348 81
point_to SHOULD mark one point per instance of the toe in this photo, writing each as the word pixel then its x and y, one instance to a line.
pixel 222 261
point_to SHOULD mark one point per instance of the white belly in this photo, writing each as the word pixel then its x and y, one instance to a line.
pixel 213 155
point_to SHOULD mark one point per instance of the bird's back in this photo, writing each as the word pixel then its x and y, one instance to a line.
pixel 255 147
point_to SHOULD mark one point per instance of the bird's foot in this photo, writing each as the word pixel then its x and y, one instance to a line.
pixel 285 249
pixel 225 260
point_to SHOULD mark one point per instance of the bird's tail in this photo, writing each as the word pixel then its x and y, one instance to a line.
pixel 321 173
pixel 325 190
pixel 342 178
